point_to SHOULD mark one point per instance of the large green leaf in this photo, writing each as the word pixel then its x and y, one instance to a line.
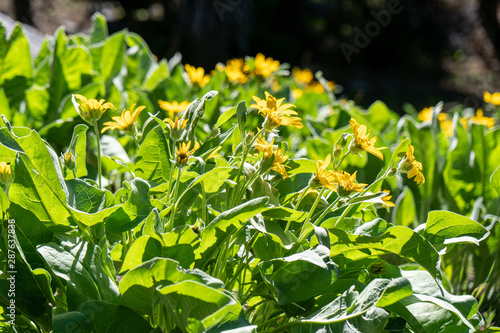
pixel 443 227
pixel 352 311
pixel 433 309
pixel 133 211
pixel 224 225
pixel 16 70
pixel 196 307
pixel 152 161
pixel 81 267
pixel 300 276
pixel 398 240
pixel 101 317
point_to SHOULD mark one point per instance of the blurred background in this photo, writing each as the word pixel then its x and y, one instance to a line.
pixel 399 51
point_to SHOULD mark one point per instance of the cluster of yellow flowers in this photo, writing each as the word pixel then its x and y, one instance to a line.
pixel 446 124
pixel 305 79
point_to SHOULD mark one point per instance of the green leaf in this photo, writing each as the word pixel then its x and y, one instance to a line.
pixel 495 180
pixel 196 307
pixel 87 198
pixel 241 113
pixel 72 321
pixel 351 312
pixel 404 212
pixel 78 147
pixel 156 77
pixel 301 165
pixel 224 225
pixel 433 309
pixel 81 267
pixel 133 211
pixel 101 317
pixel 112 56
pixel 99 30
pixel 138 286
pixel 16 71
pixel 399 240
pixel 443 227
pixel 152 161
pixel 300 276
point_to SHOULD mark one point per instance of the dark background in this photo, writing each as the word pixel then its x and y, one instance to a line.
pixel 428 51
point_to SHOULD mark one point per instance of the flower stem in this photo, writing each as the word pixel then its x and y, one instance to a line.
pixel 99 162
pixel 174 201
pixel 313 208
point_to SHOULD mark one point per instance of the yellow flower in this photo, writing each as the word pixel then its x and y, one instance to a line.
pixel 126 121
pixel 447 127
pixel 425 115
pixel 279 159
pixel 235 71
pixel 345 183
pixel 176 124
pixel 183 153
pixel 464 122
pixel 90 110
pixel 266 148
pixel 481 120
pixel 387 199
pixel 68 160
pixel 302 76
pixel 275 113
pixel 270 151
pixel 297 93
pixel 362 141
pixel 492 98
pixel 412 167
pixel 197 75
pixel 264 67
pixel 5 173
pixel 323 177
pixel 174 107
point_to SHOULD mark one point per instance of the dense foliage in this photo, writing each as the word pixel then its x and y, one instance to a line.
pixel 142 195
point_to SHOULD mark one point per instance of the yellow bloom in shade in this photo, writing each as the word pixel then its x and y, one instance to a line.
pixel 276 114
pixel 197 75
pixel 126 121
pixel 412 167
pixel 362 141
pixel 425 115
pixel 90 110
pixel 5 173
pixel 69 160
pixel 323 177
pixel 387 199
pixel 302 76
pixel 346 183
pixel 174 107
pixel 183 153
pixel 492 98
pixel 481 120
pixel 264 67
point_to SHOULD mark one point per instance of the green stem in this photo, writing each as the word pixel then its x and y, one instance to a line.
pixel 172 157
pixel 313 208
pixel 174 201
pixel 240 169
pixel 302 196
pixel 325 211
pixel 99 165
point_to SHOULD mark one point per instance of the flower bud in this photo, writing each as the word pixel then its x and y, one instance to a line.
pixel 5 173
